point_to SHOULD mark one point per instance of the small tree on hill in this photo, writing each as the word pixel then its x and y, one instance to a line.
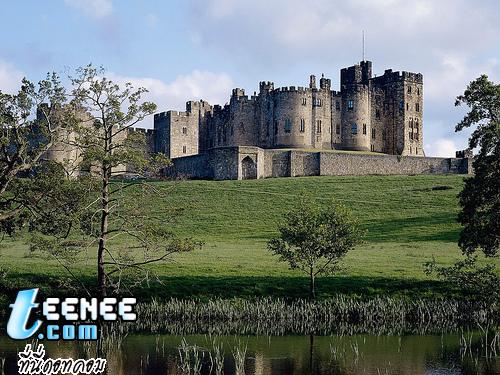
pixel 315 238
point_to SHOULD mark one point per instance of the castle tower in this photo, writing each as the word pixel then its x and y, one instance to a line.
pixel 265 114
pixel 356 110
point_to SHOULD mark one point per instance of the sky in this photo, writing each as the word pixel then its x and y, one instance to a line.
pixel 184 50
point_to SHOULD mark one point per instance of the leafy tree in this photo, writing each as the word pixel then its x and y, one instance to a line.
pixel 480 198
pixel 315 238
pixel 101 116
pixel 476 281
pixel 29 121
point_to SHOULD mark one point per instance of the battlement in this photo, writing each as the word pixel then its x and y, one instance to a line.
pixel 390 76
pixel 266 86
pixel 237 92
pixel 148 132
pixel 177 114
pixel 357 74
pixel 293 89
pixel 245 98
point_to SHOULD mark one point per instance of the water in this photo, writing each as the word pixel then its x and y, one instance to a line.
pixel 358 354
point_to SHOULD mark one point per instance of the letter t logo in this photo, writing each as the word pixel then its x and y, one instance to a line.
pixel 16 327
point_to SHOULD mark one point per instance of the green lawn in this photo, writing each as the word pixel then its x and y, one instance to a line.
pixel 407 222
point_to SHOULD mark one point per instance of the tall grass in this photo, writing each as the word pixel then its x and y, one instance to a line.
pixel 339 315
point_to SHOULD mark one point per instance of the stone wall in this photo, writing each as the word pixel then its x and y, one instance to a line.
pixel 231 163
pixel 192 167
pixel 332 164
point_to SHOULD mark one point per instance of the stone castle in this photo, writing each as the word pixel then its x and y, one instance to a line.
pixel 379 114
pixel 372 125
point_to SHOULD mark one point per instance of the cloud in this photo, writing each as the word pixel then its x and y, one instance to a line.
pixel 10 78
pixel 442 147
pixel 93 8
pixel 214 88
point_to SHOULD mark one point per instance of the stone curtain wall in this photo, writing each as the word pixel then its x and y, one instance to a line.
pixel 225 164
pixel 345 164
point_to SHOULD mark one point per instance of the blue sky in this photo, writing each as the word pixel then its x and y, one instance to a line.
pixel 182 50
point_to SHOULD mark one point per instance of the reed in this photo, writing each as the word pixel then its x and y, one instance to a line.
pixel 340 315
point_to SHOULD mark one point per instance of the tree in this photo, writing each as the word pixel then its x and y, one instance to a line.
pixel 101 116
pixel 480 197
pixel 29 121
pixel 315 238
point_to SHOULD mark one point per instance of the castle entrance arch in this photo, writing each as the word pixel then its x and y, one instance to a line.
pixel 248 168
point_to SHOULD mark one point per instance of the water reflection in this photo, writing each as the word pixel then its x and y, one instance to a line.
pixel 266 355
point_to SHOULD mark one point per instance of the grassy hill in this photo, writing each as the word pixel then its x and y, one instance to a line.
pixel 409 220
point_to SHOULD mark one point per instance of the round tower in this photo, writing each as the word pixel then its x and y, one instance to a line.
pixel 292 117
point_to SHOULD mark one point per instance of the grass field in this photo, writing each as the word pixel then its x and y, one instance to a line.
pixel 409 220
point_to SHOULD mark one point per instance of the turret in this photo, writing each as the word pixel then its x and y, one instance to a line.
pixel 312 81
pixel 266 87
pixel 325 83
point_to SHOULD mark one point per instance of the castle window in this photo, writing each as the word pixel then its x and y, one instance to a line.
pixel 304 101
pixel 364 129
pixel 337 129
pixel 372 148
pixel 302 125
pixel 417 107
pixel 350 105
pixel 409 89
pixel 418 91
pixel 411 135
pixel 416 125
pixel 184 149
pixel 184 130
pixel 354 129
pixel 318 126
pixel 416 136
pixel 337 105
pixel 407 106
pixel 373 133
pixel 377 113
pixel 317 102
pixel 288 125
pixel 411 123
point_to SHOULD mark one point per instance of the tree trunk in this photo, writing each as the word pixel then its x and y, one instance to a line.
pixel 101 274
pixel 312 291
pixel 105 175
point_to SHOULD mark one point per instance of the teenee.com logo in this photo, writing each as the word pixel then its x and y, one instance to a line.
pixel 59 318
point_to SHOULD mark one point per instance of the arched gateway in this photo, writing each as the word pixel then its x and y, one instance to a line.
pixel 248 168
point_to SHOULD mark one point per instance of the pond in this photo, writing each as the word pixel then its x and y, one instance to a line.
pixel 458 353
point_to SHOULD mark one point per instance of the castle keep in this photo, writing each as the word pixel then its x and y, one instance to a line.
pixel 379 114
